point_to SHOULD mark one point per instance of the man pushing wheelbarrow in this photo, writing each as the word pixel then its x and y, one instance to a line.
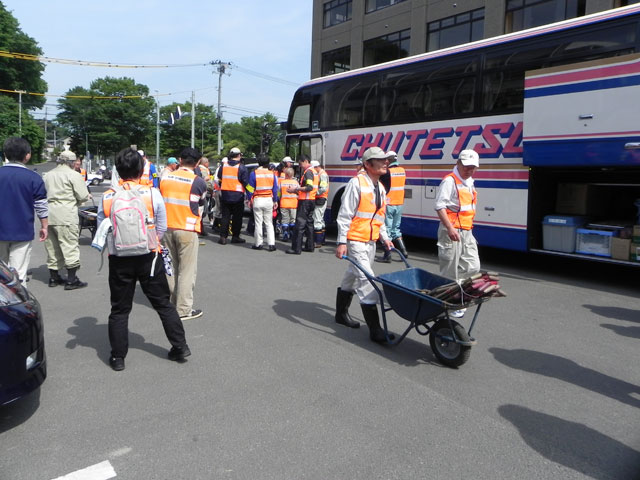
pixel 360 224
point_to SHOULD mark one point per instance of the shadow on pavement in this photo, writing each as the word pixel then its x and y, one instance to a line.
pixel 321 318
pixel 569 371
pixel 87 332
pixel 633 332
pixel 574 445
pixel 616 313
pixel 18 412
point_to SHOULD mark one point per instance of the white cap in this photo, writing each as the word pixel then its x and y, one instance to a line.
pixel 224 160
pixel 68 156
pixel 235 151
pixel 315 163
pixel 391 153
pixel 373 153
pixel 141 153
pixel 469 158
pixel 287 159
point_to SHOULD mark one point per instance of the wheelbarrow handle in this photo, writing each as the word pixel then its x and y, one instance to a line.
pixel 402 257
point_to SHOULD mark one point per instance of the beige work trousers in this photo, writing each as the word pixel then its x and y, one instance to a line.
pixel 457 259
pixel 63 250
pixel 183 247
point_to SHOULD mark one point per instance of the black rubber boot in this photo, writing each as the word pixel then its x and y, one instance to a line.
pixel 317 238
pixel 73 282
pixel 399 244
pixel 55 279
pixel 343 300
pixel 376 333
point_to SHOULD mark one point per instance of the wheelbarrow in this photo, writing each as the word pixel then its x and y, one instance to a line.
pixel 88 218
pixel 449 341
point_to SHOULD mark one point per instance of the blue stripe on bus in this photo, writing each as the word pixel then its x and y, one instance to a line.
pixel 583 87
pixel 589 152
pixel 504 184
pixel 496 237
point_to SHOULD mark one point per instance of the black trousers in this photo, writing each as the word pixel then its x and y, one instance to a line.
pixel 233 212
pixel 304 224
pixel 124 272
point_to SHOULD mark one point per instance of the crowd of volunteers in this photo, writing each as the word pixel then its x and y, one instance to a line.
pixel 149 223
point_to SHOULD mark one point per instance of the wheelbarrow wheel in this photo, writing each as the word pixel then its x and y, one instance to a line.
pixel 448 352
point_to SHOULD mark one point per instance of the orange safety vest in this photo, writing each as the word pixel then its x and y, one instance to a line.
pixel 366 223
pixel 264 182
pixel 310 195
pixel 463 218
pixel 145 191
pixel 230 182
pixel 83 172
pixel 146 179
pixel 176 191
pixel 395 195
pixel 325 194
pixel 288 200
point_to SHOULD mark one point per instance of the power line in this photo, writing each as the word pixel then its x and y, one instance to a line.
pixel 85 63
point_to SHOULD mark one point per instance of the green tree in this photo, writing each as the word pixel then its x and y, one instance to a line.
pixel 31 131
pixel 248 136
pixel 108 124
pixel 19 74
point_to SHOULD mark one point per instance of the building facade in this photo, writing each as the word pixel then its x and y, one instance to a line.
pixel 349 34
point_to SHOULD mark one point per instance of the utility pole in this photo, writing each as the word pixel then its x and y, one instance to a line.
pixel 193 119
pixel 157 129
pixel 222 66
pixel 45 129
pixel 20 92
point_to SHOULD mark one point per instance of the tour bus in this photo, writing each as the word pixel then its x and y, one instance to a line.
pixel 553 111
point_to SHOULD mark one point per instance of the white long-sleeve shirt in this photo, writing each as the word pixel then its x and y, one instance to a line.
pixel 349 207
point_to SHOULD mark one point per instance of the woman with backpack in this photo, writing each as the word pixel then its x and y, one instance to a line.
pixel 138 220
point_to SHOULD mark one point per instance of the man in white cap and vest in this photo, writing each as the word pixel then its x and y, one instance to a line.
pixel 360 225
pixel 456 208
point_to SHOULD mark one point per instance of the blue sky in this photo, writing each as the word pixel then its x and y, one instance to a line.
pixel 269 37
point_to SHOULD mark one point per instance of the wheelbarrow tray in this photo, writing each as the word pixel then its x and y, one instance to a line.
pixel 400 290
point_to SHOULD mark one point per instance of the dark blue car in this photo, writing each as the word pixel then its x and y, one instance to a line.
pixel 22 357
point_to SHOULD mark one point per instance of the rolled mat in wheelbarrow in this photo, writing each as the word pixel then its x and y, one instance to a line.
pixel 400 292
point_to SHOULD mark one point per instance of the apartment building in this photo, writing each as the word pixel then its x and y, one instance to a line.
pixel 350 34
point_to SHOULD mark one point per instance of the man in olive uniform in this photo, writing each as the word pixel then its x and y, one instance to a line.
pixel 66 191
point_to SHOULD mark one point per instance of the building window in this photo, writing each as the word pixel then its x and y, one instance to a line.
pixel 522 14
pixel 336 61
pixel 463 28
pixel 373 5
pixel 336 11
pixel 386 48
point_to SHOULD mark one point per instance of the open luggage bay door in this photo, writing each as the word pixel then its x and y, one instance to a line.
pixel 584 114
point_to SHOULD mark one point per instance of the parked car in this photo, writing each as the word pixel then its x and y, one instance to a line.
pixel 94 178
pixel 23 365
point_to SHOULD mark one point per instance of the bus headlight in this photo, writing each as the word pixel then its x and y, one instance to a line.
pixel 32 360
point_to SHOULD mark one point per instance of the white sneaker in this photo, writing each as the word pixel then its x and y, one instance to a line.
pixel 458 313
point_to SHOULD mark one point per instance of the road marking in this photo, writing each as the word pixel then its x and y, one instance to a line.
pixel 99 471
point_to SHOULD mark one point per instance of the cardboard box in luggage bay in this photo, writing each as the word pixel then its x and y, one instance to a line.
pixel 581 199
pixel 620 248
pixel 593 242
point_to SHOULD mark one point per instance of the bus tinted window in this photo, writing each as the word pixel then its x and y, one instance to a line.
pixel 353 103
pixel 301 117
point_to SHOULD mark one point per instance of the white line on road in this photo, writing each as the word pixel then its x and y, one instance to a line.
pixel 99 471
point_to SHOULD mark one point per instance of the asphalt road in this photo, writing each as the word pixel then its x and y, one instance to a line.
pixel 276 390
